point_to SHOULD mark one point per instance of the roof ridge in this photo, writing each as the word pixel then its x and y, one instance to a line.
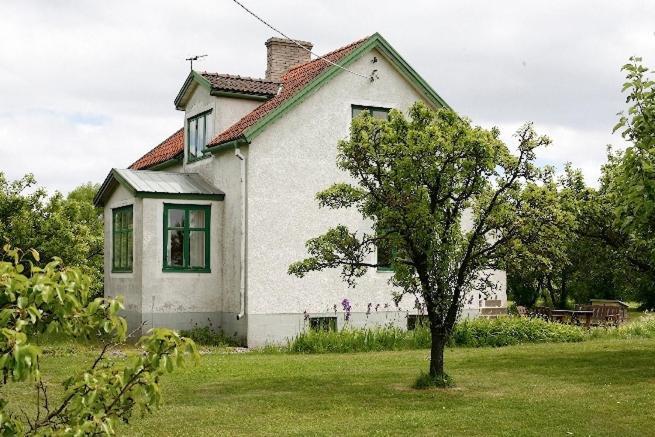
pixel 239 77
pixel 297 78
pixel 333 52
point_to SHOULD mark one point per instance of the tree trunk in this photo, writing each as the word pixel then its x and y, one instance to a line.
pixel 436 353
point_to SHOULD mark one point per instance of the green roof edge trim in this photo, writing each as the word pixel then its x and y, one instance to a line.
pixel 193 76
pixel 374 41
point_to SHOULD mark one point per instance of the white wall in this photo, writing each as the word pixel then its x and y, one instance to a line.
pixel 291 161
pixel 127 285
pixel 173 291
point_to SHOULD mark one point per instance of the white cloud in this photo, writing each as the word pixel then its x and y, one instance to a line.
pixel 86 86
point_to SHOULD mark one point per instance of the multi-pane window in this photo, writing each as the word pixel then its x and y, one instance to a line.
pixel 384 255
pixel 122 242
pixel 197 134
pixel 381 113
pixel 384 252
pixel 186 237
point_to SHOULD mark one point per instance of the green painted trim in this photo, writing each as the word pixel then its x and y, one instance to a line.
pixel 190 158
pixel 193 76
pixel 155 195
pixel 234 144
pixel 166 164
pixel 117 233
pixel 237 95
pixel 186 230
pixel 150 195
pixel 375 41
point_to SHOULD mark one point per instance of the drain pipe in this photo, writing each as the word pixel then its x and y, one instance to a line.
pixel 242 254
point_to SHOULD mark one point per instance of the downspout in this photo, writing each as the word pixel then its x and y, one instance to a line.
pixel 242 254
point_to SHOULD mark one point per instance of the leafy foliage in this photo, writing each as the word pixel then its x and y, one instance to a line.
pixel 68 227
pixel 415 179
pixel 56 300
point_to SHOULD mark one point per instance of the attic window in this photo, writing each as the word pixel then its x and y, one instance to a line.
pixel 376 112
pixel 198 134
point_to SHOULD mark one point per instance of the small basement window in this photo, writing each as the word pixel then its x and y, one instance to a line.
pixel 122 239
pixel 417 320
pixel 197 135
pixel 323 323
pixel 186 238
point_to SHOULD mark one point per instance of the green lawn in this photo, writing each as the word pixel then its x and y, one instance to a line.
pixel 592 388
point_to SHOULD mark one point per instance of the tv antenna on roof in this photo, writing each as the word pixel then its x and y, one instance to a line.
pixel 194 58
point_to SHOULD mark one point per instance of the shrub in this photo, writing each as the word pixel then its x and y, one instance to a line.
pixel 479 332
pixel 206 336
pixel 360 340
pixel 505 331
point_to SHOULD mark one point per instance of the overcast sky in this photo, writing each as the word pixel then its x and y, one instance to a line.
pixel 86 86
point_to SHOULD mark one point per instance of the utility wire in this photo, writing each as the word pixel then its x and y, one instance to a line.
pixel 296 42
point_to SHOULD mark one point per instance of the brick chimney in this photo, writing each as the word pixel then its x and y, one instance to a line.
pixel 282 54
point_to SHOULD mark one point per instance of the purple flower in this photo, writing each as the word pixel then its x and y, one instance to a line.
pixel 346 308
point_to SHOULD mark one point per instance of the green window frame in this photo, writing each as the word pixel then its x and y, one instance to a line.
pixel 376 111
pixel 186 238
pixel 122 226
pixel 384 254
pixel 197 135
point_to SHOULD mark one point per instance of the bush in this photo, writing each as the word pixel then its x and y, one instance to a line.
pixel 479 332
pixel 206 336
pixel 505 331
pixel 360 340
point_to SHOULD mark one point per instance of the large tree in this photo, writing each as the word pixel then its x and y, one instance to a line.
pixel 68 227
pixel 442 195
pixel 622 213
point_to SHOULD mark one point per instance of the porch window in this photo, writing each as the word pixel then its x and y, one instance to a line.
pixel 186 238
pixel 197 135
pixel 122 241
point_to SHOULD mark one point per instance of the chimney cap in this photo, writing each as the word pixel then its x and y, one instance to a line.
pixel 276 40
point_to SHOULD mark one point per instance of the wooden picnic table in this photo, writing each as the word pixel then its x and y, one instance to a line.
pixel 573 316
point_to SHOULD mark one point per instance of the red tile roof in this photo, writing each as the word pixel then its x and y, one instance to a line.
pixel 170 148
pixel 247 85
pixel 292 82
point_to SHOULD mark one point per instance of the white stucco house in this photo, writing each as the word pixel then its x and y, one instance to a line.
pixel 202 228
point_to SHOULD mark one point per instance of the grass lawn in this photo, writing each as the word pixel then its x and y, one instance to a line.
pixel 600 387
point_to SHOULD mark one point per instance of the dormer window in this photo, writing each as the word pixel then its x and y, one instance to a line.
pixel 197 134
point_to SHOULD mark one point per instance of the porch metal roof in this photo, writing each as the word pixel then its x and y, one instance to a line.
pixel 147 183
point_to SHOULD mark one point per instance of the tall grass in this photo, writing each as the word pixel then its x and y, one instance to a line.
pixel 479 332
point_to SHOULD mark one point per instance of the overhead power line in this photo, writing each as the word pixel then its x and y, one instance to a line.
pixel 296 42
